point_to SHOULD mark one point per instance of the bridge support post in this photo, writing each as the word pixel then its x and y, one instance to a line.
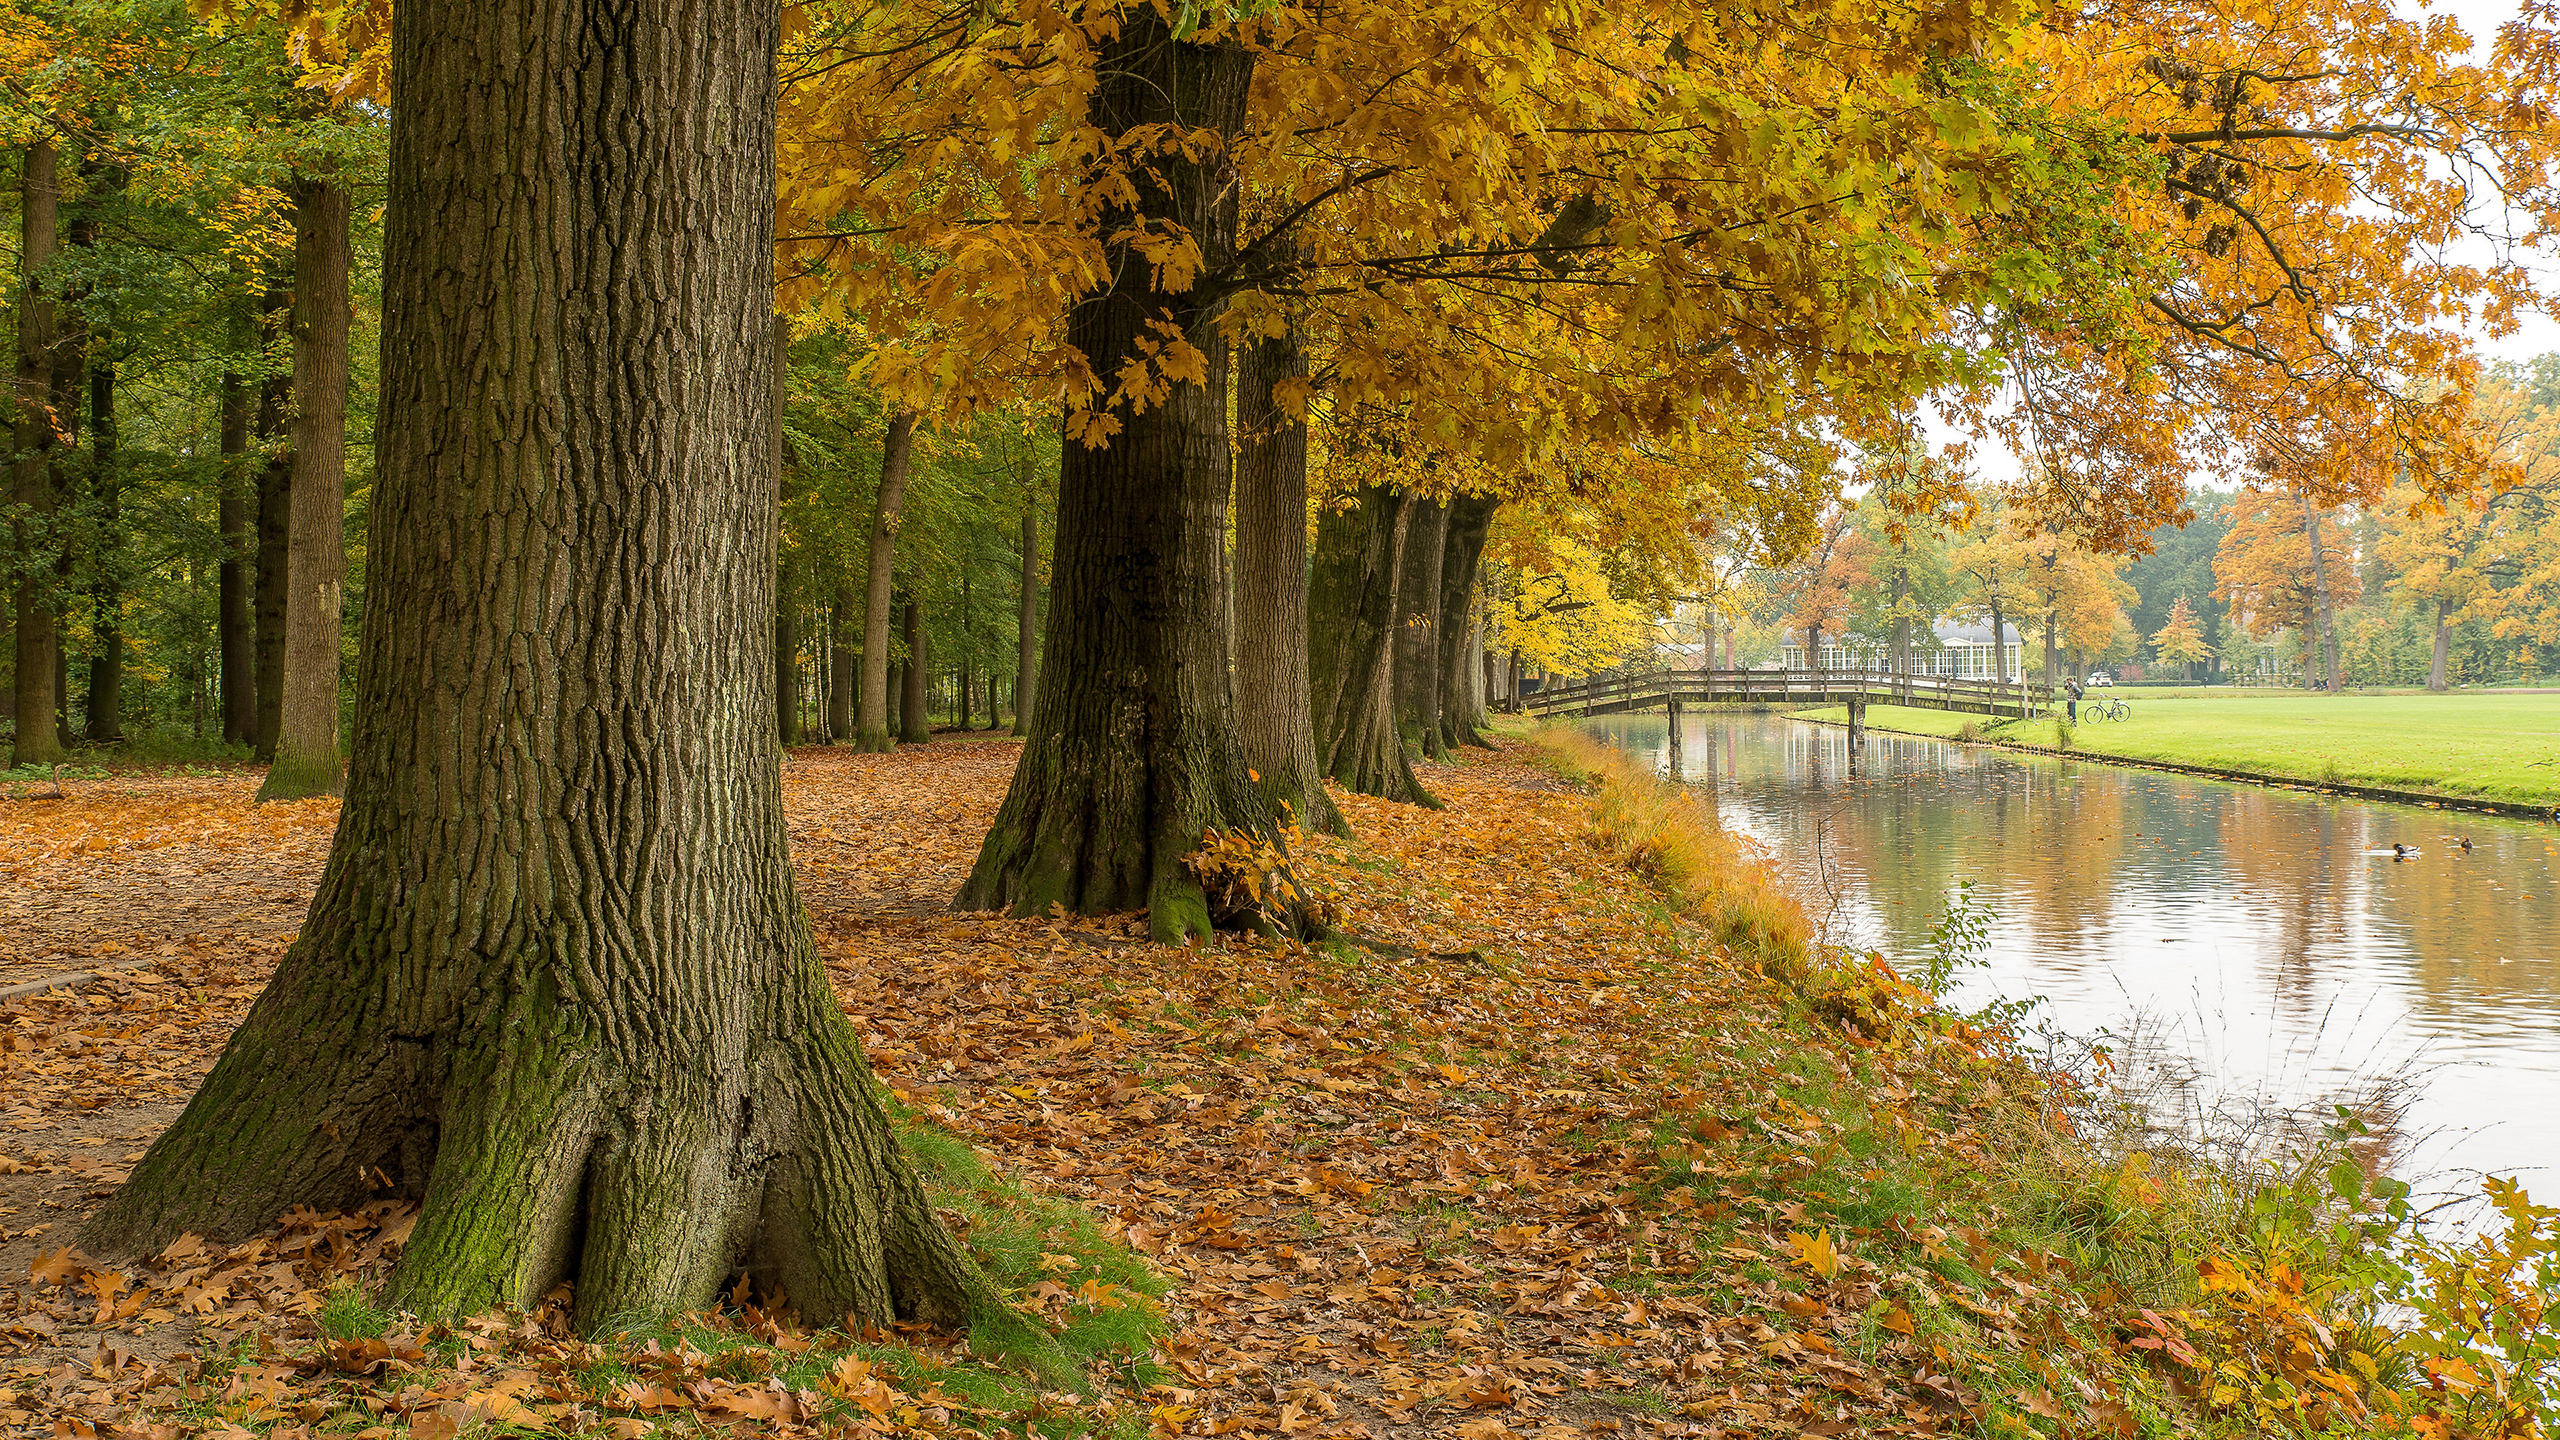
pixel 1672 707
pixel 1857 722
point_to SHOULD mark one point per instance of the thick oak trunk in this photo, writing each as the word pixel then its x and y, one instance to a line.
pixel 306 737
pixel 1463 534
pixel 238 637
pixel 1274 717
pixel 35 480
pixel 556 978
pixel 1351 652
pixel 874 733
pixel 275 526
pixel 1418 690
pixel 1132 757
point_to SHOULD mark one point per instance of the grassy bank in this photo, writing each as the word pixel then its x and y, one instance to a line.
pixel 2141 1281
pixel 2504 748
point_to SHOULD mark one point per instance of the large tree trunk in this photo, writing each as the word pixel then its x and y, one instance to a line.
pixel 35 481
pixel 238 630
pixel 2444 638
pixel 556 978
pixel 1026 624
pixel 914 728
pixel 1274 724
pixel 306 739
pixel 1133 757
pixel 1417 627
pixel 275 527
pixel 1351 653
pixel 882 581
pixel 1470 520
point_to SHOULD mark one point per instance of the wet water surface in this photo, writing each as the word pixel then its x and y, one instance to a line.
pixel 2270 937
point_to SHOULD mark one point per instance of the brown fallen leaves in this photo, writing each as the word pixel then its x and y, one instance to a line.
pixel 1517 1167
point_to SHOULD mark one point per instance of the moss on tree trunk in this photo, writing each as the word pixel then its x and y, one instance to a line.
pixel 556 979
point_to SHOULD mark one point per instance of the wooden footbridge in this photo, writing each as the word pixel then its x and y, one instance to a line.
pixel 1620 694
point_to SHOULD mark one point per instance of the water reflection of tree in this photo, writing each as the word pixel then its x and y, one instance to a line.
pixel 2301 864
pixel 2067 855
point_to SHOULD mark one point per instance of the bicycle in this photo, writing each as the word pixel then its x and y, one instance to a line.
pixel 2111 708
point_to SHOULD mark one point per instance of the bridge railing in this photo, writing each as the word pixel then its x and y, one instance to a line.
pixel 1788 685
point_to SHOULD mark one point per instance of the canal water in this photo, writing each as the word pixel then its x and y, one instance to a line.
pixel 2253 937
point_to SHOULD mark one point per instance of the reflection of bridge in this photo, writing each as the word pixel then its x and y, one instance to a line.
pixel 1773 687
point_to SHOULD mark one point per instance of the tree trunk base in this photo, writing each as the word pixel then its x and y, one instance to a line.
pixel 545 1151
pixel 297 776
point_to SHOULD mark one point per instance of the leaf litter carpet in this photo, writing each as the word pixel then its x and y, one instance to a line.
pixel 1412 1189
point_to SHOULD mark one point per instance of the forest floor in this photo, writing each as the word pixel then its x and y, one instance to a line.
pixel 2472 745
pixel 1543 1160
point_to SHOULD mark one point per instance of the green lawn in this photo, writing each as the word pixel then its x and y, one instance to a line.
pixel 2494 747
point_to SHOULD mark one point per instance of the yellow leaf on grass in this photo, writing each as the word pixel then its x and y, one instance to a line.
pixel 1815 1252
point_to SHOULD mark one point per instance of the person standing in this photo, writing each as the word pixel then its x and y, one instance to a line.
pixel 2071 699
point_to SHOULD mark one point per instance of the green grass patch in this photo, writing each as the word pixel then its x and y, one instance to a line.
pixel 2463 746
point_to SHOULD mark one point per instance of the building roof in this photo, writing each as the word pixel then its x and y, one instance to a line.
pixel 1944 633
pixel 1947 632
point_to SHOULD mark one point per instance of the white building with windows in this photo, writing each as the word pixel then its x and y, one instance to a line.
pixel 1958 652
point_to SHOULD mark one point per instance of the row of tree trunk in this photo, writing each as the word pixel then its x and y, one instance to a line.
pixel 281 593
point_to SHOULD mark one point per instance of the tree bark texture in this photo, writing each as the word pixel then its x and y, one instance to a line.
pixel 35 479
pixel 275 526
pixel 556 977
pixel 1274 718
pixel 239 635
pixel 1351 652
pixel 1132 757
pixel 1026 623
pixel 1418 691
pixel 1463 533
pixel 306 737
pixel 915 727
pixel 894 449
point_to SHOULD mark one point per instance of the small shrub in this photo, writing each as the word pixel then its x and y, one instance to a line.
pixel 1969 733
pixel 2062 734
